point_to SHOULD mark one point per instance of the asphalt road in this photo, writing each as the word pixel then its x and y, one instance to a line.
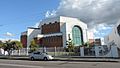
pixel 4 63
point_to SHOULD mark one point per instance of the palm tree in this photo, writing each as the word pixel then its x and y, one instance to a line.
pixel 1 44
pixel 33 46
pixel 17 45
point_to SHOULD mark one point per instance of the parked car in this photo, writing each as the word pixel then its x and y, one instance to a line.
pixel 40 56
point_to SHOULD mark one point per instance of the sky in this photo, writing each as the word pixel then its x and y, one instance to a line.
pixel 17 15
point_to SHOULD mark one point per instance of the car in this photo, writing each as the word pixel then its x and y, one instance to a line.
pixel 40 56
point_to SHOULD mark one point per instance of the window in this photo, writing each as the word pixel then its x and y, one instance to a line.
pixel 118 29
pixel 77 35
pixel 37 53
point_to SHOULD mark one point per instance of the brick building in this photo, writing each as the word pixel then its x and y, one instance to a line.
pixel 23 39
pixel 55 32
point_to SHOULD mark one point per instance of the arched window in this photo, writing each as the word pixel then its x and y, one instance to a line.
pixel 77 35
pixel 118 29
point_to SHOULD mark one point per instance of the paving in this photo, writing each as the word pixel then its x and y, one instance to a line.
pixel 7 63
pixel 76 59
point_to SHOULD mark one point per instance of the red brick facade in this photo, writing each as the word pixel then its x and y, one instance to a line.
pixel 49 41
pixel 23 40
pixel 53 41
pixel 51 28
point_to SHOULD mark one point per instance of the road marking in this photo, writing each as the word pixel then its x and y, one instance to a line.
pixel 18 65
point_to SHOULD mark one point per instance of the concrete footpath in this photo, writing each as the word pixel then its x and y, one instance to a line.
pixel 75 59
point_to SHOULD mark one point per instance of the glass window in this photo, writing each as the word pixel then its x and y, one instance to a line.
pixel 37 53
pixel 118 29
pixel 77 35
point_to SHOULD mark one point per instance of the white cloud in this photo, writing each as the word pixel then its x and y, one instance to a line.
pixel 98 14
pixel 47 14
pixel 91 11
pixel 50 14
pixel 101 30
pixel 36 25
pixel 9 34
pixel 6 39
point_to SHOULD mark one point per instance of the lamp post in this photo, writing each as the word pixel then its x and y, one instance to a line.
pixel 69 44
pixel 69 39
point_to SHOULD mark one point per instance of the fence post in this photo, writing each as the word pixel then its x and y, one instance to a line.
pixel 12 52
pixel 19 52
pixel 44 49
pixel 54 51
pixel 24 51
pixel 27 50
pixel 82 51
pixel 97 51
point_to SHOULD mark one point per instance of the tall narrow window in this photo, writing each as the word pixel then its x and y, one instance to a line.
pixel 118 29
pixel 77 35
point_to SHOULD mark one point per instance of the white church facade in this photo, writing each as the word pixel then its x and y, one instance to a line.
pixel 55 32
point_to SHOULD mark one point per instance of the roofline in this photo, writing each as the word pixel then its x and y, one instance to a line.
pixel 33 28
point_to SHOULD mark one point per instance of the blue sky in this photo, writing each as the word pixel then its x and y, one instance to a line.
pixel 17 15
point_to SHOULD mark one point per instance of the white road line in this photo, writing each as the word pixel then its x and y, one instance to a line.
pixel 18 65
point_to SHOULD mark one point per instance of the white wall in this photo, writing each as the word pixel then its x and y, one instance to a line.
pixel 66 24
pixel 102 41
pixel 63 31
pixel 70 23
pixel 31 34
pixel 113 36
pixel 90 35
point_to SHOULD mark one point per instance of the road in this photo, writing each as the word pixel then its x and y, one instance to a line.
pixel 4 63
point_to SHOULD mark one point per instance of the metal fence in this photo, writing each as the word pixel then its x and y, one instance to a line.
pixel 54 51
pixel 22 51
pixel 59 51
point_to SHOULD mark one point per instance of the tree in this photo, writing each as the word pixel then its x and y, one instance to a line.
pixel 33 46
pixel 9 46
pixel 1 44
pixel 87 44
pixel 70 46
pixel 17 44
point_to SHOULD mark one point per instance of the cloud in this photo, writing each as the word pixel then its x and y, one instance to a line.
pixel 6 39
pixel 98 14
pixel 36 25
pixel 9 34
pixel 101 30
pixel 91 11
pixel 50 14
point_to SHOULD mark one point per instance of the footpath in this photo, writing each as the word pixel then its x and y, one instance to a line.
pixel 75 59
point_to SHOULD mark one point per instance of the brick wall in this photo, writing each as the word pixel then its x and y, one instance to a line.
pixel 51 28
pixel 53 41
pixel 23 40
